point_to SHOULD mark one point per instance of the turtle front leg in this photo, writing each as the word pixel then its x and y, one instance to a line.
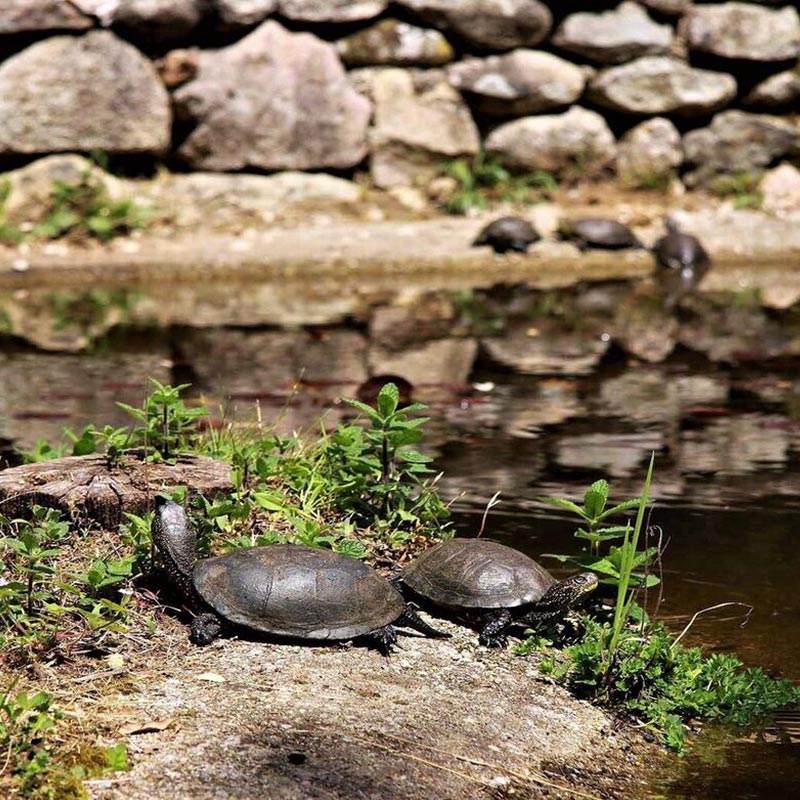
pixel 494 623
pixel 410 619
pixel 383 639
pixel 205 628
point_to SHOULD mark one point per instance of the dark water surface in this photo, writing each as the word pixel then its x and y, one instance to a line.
pixel 727 476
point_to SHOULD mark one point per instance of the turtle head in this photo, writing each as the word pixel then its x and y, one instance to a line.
pixel 671 224
pixel 565 594
pixel 577 586
pixel 175 538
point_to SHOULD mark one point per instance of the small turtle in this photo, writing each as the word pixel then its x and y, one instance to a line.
pixel 493 586
pixel 285 590
pixel 681 263
pixel 607 234
pixel 508 233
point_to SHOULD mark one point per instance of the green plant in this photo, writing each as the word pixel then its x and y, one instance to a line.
pixel 664 684
pixel 9 234
pixel 40 591
pixel 483 179
pixel 86 208
pixel 620 565
pixel 381 478
pixel 657 180
pixel 167 424
pixel 25 722
pixel 743 187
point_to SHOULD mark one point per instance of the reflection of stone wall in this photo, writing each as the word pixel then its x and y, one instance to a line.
pixel 303 84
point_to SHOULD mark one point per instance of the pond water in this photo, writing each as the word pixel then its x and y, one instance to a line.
pixel 727 476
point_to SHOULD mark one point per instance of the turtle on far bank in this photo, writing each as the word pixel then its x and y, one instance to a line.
pixel 493 586
pixel 285 590
pixel 681 262
pixel 595 232
pixel 508 233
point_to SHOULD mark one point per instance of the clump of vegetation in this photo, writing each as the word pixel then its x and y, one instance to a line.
pixel 82 209
pixel 482 180
pixel 633 663
pixel 34 768
pixel 86 210
pixel 359 489
pixel 743 187
pixel 44 592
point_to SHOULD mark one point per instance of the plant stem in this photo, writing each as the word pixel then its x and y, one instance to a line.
pixel 622 609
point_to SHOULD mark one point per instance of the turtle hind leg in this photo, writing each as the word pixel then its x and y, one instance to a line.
pixel 410 619
pixel 493 626
pixel 205 628
pixel 382 639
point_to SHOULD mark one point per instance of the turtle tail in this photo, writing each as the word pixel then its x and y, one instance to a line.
pixel 410 619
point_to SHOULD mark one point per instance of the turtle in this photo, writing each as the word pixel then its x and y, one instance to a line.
pixel 285 590
pixel 508 233
pixel 607 234
pixel 681 262
pixel 493 586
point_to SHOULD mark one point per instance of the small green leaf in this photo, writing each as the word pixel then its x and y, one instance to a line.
pixel 625 506
pixel 117 758
pixel 388 398
pixel 562 502
pixel 595 499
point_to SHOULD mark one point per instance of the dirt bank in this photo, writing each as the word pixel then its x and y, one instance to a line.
pixel 444 719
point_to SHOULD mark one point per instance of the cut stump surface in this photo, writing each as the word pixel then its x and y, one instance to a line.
pixel 87 489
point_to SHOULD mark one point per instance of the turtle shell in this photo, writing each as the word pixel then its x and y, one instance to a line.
pixel 477 573
pixel 508 233
pixel 297 591
pixel 597 232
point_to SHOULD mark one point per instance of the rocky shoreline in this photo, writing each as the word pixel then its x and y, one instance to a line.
pixel 436 719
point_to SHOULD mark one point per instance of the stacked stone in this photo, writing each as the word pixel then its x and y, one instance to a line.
pixel 647 88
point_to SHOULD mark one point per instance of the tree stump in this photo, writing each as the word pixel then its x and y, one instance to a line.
pixel 88 490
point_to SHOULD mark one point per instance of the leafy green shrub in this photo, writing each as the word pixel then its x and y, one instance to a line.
pixel 666 684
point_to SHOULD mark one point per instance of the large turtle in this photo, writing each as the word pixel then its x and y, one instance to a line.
pixel 508 233
pixel 285 590
pixel 493 586
pixel 681 262
pixel 594 232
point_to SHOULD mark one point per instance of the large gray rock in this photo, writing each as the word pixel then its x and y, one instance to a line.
pixel 517 83
pixel 662 85
pixel 776 93
pixel 487 24
pixel 233 14
pixel 669 8
pixel 154 22
pixel 576 143
pixel 648 154
pixel 419 121
pixel 743 31
pixel 394 43
pixel 781 190
pixel 738 142
pixel 20 16
pixel 52 100
pixel 274 100
pixel 331 10
pixel 612 37
pixel 234 202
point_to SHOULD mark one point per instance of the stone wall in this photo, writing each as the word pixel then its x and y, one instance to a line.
pixel 575 89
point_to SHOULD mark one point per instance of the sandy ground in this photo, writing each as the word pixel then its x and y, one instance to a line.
pixel 438 719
